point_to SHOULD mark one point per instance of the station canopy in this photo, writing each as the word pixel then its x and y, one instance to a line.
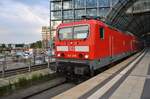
pixel 132 16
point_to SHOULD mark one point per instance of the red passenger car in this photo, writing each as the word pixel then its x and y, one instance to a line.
pixel 84 46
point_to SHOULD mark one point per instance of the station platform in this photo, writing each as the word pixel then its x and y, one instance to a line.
pixel 129 79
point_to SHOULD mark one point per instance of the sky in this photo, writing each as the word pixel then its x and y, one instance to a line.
pixel 21 20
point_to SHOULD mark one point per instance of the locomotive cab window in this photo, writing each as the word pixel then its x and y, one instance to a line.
pixel 81 32
pixel 101 31
pixel 65 33
pixel 73 32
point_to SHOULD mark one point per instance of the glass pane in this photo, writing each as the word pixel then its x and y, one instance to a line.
pixel 79 13
pixel 104 3
pixel 54 24
pixel 103 12
pixel 56 15
pixel 56 6
pixel 68 14
pixel 53 34
pixel 80 3
pixel 67 5
pixel 65 33
pixel 81 32
pixel 55 0
pixel 91 3
pixel 66 21
pixel 92 12
pixel 114 2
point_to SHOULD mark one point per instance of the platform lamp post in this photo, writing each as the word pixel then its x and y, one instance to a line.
pixel 50 40
pixel 50 53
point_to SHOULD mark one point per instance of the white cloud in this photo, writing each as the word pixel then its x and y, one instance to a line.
pixel 18 19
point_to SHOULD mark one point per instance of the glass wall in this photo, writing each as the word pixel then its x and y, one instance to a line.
pixel 57 15
pixel 113 2
pixel 79 13
pixel 91 3
pixel 54 24
pixel 104 3
pixel 72 10
pixel 67 5
pixel 79 3
pixel 103 12
pixel 92 12
pixel 56 6
pixel 68 14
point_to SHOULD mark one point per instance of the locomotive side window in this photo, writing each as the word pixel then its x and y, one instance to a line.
pixel 101 30
pixel 65 33
pixel 81 32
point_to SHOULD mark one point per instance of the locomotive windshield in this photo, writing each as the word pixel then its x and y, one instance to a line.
pixel 80 32
pixel 75 32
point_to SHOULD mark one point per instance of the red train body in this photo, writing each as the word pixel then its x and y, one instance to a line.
pixel 89 45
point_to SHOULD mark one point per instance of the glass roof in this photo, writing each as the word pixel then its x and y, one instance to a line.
pixel 131 15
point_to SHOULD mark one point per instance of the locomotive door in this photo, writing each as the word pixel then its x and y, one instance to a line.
pixel 111 45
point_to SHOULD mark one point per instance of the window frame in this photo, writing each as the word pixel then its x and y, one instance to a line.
pixel 79 26
pixel 65 38
pixel 73 31
pixel 102 33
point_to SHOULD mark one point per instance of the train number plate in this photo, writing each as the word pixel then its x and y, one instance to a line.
pixel 71 48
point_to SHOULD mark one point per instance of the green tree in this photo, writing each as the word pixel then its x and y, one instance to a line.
pixel 37 44
pixel 33 45
pixel 3 46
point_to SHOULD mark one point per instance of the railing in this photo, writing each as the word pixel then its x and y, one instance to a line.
pixel 16 62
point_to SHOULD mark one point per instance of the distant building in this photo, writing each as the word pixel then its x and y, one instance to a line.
pixel 19 46
pixel 15 46
pixel 12 46
pixel 45 36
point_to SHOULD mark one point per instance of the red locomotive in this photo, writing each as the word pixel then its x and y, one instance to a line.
pixel 85 46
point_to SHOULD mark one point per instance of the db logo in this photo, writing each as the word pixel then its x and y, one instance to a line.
pixel 71 48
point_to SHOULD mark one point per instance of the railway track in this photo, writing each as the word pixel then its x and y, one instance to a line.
pixel 57 87
pixel 51 91
pixel 55 90
pixel 22 70
pixel 48 94
pixel 43 91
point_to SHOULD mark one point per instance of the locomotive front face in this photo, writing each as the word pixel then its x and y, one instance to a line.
pixel 72 42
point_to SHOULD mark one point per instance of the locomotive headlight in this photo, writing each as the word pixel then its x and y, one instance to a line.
pixel 86 56
pixel 58 55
